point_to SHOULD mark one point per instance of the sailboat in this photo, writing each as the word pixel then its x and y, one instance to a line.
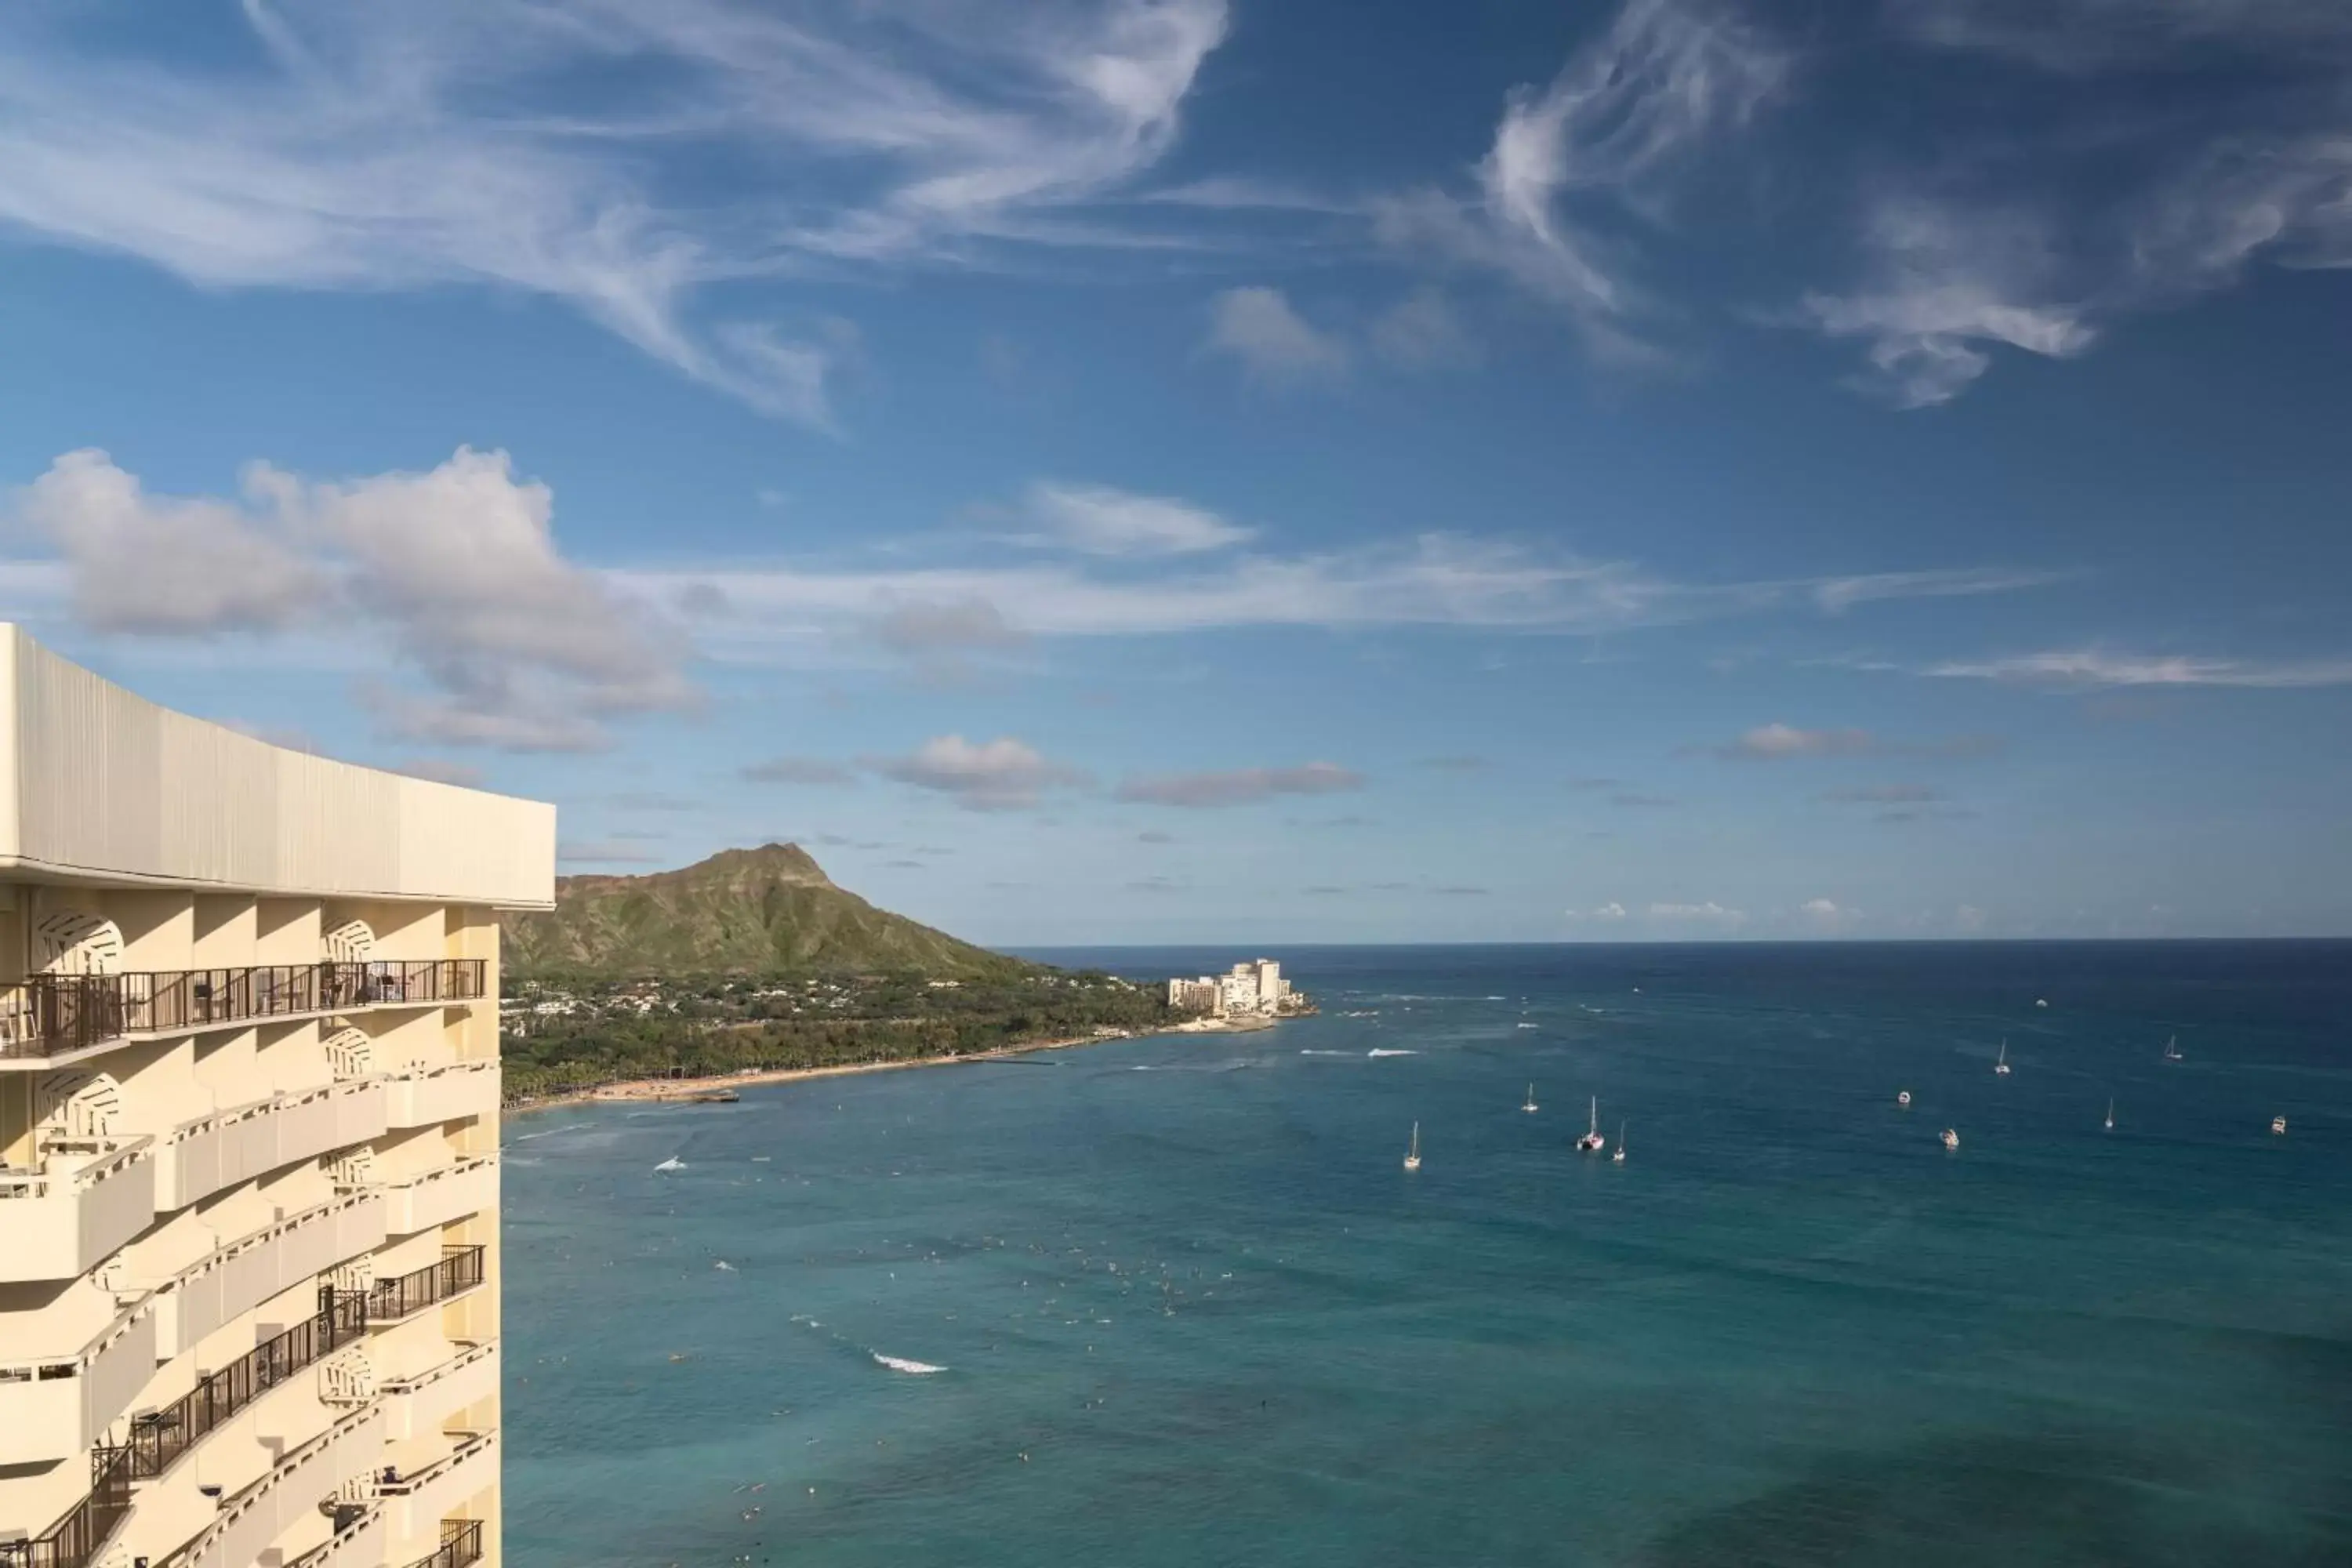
pixel 2172 1050
pixel 1617 1155
pixel 1413 1151
pixel 1592 1142
pixel 2000 1065
pixel 2111 1115
pixel 1530 1106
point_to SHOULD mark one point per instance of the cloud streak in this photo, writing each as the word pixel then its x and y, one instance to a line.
pixel 2079 669
pixel 1242 786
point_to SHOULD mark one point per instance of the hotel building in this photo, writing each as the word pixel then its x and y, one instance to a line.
pixel 1254 986
pixel 248 1141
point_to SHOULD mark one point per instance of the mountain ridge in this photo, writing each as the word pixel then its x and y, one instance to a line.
pixel 769 909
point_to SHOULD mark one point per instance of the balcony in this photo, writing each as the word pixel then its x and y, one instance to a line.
pixel 429 1096
pixel 74 1540
pixel 461 1543
pixel 86 1200
pixel 415 1504
pixel 413 1407
pixel 159 1440
pixel 251 1522
pixel 242 1275
pixel 53 1015
pixel 358 1543
pixel 54 1407
pixel 440 1196
pixel 201 1157
pixel 461 1268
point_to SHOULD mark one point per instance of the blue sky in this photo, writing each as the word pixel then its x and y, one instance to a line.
pixel 1106 470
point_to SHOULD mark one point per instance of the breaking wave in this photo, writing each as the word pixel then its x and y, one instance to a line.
pixel 911 1368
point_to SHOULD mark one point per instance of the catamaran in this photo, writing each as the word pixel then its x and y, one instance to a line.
pixel 1617 1155
pixel 1413 1151
pixel 1592 1142
pixel 1530 1106
pixel 2000 1064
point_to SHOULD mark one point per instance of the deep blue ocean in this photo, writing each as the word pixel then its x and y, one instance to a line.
pixel 1186 1308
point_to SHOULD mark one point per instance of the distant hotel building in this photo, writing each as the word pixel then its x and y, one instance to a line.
pixel 248 1141
pixel 1256 986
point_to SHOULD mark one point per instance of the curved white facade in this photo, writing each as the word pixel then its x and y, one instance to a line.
pixel 248 1141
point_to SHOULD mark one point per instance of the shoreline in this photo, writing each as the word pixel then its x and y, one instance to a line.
pixel 657 1090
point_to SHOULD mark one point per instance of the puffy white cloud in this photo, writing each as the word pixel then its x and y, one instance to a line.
pixel 1608 914
pixel 457 568
pixel 1423 331
pixel 1258 327
pixel 1239 787
pixel 1003 775
pixel 1708 913
pixel 161 565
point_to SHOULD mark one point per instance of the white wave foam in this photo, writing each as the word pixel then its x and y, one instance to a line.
pixel 911 1368
pixel 1327 1053
pixel 1378 1051
pixel 567 1127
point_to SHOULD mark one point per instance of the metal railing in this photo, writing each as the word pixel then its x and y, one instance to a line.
pixel 74 1541
pixel 460 1268
pixel 156 1440
pixel 47 1014
pixel 461 1543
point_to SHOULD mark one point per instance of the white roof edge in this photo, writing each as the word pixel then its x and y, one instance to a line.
pixel 99 785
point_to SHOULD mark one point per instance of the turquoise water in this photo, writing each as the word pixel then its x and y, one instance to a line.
pixel 1190 1310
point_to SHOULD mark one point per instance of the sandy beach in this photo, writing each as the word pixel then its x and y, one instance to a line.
pixel 660 1088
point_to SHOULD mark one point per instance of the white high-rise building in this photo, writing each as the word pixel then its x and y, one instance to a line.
pixel 248 1141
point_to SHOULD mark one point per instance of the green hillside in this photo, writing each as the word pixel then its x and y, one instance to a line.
pixel 753 911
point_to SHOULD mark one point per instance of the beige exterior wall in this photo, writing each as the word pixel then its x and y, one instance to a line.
pixel 176 1195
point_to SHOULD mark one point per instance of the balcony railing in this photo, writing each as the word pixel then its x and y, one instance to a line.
pixel 74 1541
pixel 47 1014
pixel 460 1268
pixel 461 1543
pixel 156 1440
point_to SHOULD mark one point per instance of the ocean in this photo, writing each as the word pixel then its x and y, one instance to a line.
pixel 1176 1301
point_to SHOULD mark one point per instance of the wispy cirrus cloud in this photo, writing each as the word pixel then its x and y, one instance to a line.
pixel 1574 163
pixel 1098 520
pixel 2095 196
pixel 332 146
